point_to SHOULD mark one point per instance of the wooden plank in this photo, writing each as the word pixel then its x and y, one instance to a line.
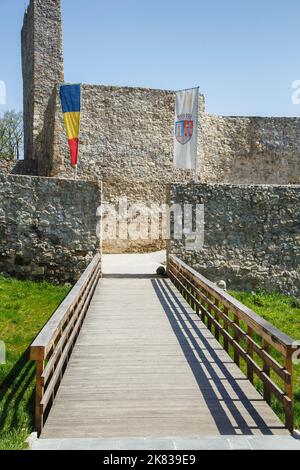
pixel 156 371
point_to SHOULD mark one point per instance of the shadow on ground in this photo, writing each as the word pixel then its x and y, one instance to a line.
pixel 221 405
pixel 17 396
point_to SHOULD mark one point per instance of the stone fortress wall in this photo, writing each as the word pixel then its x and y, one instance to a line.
pixel 128 133
pixel 251 150
pixel 251 236
pixel 48 227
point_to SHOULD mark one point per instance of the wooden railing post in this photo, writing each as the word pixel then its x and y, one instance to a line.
pixel 209 322
pixel 191 295
pixel 217 330
pixel 226 345
pixel 39 393
pixel 289 412
pixel 236 338
pixel 250 354
pixel 202 316
pixel 266 369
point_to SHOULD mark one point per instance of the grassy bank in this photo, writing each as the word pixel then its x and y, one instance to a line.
pixel 24 309
pixel 284 313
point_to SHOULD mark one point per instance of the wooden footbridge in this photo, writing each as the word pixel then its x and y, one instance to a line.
pixel 139 356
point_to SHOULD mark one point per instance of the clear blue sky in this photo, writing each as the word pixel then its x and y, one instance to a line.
pixel 244 55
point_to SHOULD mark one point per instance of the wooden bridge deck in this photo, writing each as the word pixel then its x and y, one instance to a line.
pixel 145 365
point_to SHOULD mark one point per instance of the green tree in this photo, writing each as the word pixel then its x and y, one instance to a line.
pixel 11 135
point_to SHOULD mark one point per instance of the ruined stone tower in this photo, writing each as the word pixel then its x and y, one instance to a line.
pixel 42 66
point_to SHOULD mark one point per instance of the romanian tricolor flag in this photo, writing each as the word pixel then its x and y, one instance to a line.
pixel 70 96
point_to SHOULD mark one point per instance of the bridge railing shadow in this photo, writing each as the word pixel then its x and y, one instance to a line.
pixel 224 408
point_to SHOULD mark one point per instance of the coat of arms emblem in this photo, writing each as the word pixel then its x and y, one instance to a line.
pixel 184 131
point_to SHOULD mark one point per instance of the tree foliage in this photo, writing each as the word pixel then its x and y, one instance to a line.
pixel 11 135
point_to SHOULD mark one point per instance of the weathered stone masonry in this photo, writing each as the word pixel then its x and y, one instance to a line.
pixel 124 133
pixel 252 235
pixel 7 166
pixel 42 66
pixel 125 142
pixel 128 133
pixel 47 227
pixel 251 150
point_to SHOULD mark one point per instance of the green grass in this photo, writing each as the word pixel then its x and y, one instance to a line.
pixel 284 313
pixel 24 308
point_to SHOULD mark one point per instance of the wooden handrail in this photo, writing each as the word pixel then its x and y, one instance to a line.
pixel 223 313
pixel 52 347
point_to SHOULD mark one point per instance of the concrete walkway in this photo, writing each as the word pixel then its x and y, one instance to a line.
pixel 193 443
pixel 133 263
